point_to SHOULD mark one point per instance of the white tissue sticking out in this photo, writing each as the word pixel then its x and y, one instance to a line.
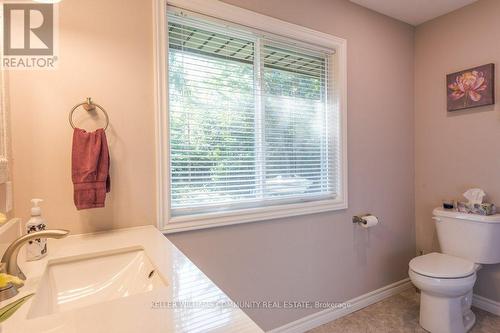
pixel 474 195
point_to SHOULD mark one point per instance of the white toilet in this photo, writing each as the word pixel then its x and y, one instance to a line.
pixel 446 279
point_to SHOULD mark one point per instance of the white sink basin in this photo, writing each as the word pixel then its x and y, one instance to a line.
pixel 80 281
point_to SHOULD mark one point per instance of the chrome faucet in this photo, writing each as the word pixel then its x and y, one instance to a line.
pixel 8 264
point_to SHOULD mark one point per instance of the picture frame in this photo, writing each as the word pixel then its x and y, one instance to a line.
pixel 471 88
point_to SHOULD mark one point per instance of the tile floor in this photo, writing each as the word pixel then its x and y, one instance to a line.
pixel 398 314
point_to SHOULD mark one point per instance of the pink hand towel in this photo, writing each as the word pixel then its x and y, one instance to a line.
pixel 90 168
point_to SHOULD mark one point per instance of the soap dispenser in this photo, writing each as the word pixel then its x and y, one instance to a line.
pixel 36 248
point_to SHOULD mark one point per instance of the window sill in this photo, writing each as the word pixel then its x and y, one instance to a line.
pixel 205 221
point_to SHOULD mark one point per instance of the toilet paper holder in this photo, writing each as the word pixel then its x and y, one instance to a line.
pixel 359 218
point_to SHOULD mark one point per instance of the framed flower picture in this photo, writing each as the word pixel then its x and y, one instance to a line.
pixel 471 88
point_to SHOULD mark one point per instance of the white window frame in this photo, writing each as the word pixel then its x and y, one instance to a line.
pixel 244 17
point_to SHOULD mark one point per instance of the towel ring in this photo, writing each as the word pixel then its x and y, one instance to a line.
pixel 88 105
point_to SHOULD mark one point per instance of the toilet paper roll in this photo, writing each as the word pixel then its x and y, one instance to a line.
pixel 369 221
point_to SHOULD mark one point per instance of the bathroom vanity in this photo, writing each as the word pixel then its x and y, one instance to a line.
pixel 125 280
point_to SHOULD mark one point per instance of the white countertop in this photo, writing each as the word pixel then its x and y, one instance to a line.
pixel 147 312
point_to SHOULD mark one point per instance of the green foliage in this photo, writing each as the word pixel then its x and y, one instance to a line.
pixel 212 127
pixel 211 122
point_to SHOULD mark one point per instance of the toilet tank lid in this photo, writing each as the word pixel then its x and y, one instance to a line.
pixel 440 212
pixel 439 265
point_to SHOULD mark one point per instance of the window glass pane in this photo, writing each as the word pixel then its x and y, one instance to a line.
pixel 250 123
pixel 211 105
pixel 295 122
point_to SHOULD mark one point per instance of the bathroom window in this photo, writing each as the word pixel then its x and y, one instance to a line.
pixel 255 128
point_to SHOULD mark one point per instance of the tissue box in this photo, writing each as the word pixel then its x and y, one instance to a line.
pixel 481 209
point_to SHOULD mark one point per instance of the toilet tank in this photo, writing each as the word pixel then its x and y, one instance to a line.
pixel 470 236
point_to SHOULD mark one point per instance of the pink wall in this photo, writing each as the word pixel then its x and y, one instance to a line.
pixel 458 150
pixel 106 52
pixel 322 256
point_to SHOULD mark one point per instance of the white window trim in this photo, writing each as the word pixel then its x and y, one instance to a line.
pixel 223 11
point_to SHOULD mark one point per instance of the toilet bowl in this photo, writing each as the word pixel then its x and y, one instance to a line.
pixel 446 279
pixel 445 283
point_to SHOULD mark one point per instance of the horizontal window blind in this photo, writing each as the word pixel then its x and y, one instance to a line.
pixel 250 122
pixel 295 102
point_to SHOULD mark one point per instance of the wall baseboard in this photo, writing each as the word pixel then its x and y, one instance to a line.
pixel 325 316
pixel 486 304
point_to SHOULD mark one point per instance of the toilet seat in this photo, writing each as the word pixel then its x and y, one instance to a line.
pixel 444 266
